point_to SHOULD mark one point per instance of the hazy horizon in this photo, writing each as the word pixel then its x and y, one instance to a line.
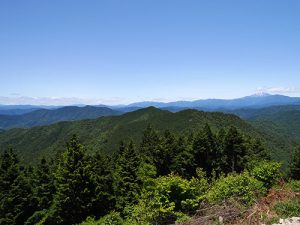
pixel 40 101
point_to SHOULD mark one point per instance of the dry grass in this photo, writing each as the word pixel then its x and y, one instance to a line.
pixel 226 212
pixel 234 213
pixel 263 210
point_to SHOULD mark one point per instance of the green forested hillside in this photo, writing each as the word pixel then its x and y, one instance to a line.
pixel 49 116
pixel 283 120
pixel 105 133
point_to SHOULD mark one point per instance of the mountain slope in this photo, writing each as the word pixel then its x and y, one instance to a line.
pixel 283 120
pixel 49 116
pixel 105 133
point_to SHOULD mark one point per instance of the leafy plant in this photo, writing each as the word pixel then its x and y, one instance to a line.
pixel 242 186
pixel 288 209
pixel 169 198
pixel 267 172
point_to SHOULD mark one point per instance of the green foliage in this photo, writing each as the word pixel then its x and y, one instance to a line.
pixel 49 116
pixel 294 185
pixel 16 198
pixel 206 150
pixel 183 161
pixel 43 185
pixel 113 218
pixel 267 172
pixel 288 209
pixel 103 199
pixel 146 175
pixel 241 186
pixel 73 197
pixel 164 179
pixel 157 149
pixel 168 199
pixel 235 151
pixel 294 167
pixel 38 217
pixel 106 133
pixel 125 176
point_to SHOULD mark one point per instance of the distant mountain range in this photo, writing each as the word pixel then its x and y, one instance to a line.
pixel 22 109
pixel 253 101
pixel 261 100
pixel 25 116
pixel 40 117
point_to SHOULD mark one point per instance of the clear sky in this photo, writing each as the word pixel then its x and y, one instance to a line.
pixel 121 51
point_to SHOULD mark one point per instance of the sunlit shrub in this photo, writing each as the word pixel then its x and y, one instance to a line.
pixel 169 199
pixel 241 186
pixel 267 172
pixel 113 218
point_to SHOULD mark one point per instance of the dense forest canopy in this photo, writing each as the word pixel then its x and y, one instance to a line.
pixel 165 178
pixel 105 133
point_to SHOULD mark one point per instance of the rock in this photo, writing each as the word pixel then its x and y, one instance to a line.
pixel 289 221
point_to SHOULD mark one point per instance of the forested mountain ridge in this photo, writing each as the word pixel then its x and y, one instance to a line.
pixel 105 133
pixel 261 113
pixel 49 116
pixel 282 120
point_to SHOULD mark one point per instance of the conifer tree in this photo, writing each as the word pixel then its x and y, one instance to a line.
pixel 234 151
pixel 206 151
pixel 103 196
pixel 15 191
pixel 72 201
pixel 125 176
pixel 153 150
pixel 183 161
pixel 43 190
pixel 256 151
pixel 44 184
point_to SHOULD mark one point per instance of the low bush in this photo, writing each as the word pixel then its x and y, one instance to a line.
pixel 113 218
pixel 171 198
pixel 267 172
pixel 241 186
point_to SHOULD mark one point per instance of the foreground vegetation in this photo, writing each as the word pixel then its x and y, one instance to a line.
pixel 166 178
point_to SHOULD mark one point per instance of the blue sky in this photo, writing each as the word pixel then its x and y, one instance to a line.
pixel 121 51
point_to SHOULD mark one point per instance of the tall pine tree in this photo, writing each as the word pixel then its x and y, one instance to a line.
pixel 206 151
pixel 234 151
pixel 126 183
pixel 155 150
pixel 72 201
pixel 16 196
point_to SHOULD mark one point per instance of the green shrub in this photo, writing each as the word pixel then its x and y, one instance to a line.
pixel 241 186
pixel 267 172
pixel 168 200
pixel 90 221
pixel 36 217
pixel 113 218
